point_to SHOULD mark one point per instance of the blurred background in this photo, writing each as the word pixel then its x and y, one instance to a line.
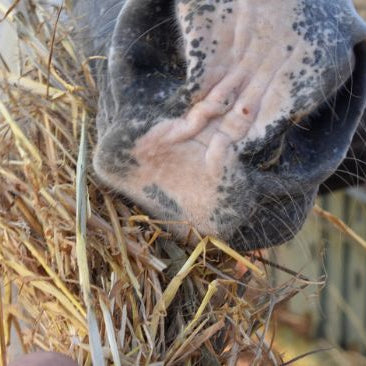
pixel 332 314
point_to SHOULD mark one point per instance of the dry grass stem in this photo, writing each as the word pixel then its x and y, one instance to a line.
pixel 340 225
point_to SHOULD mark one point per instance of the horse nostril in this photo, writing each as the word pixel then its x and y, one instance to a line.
pixel 145 61
pixel 274 158
pixel 156 54
pixel 267 157
pixel 313 148
pixel 322 143
pixel 144 58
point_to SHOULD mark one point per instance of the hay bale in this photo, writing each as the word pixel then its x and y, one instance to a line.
pixel 82 273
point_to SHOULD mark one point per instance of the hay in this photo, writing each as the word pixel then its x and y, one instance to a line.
pixel 82 273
